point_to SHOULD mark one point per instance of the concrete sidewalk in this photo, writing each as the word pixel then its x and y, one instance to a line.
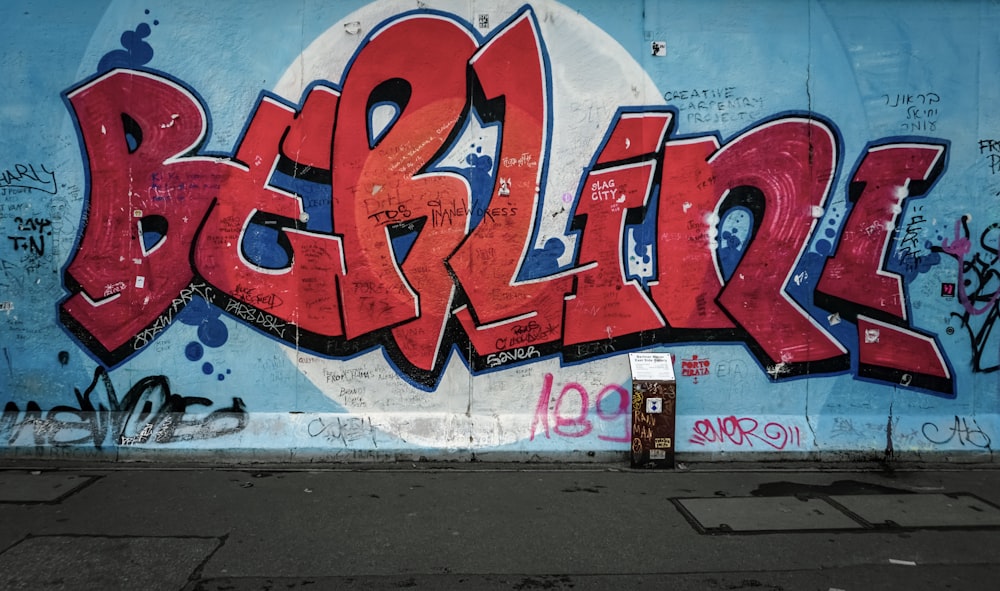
pixel 468 526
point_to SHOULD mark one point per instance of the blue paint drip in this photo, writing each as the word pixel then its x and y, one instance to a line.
pixel 207 369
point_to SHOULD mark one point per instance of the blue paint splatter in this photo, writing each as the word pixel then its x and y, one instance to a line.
pixel 136 52
pixel 735 228
pixel 645 236
pixel 480 177
pixel 198 311
pixel 194 351
pixel 213 333
pixel 542 262
pixel 909 266
pixel 473 155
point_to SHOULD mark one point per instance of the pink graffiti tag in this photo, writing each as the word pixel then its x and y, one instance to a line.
pixel 578 424
pixel 744 431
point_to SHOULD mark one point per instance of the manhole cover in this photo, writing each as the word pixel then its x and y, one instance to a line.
pixel 922 510
pixel 764 514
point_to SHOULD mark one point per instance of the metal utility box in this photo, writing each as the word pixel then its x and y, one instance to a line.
pixel 654 409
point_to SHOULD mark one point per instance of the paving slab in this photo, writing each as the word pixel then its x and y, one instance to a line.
pixel 90 562
pixel 922 510
pixel 471 527
pixel 39 487
pixel 759 514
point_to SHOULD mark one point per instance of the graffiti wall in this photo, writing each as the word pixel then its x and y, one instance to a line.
pixel 318 231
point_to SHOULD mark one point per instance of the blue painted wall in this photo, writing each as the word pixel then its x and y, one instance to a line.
pixel 316 231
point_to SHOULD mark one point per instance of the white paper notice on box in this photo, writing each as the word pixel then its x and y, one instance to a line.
pixel 656 367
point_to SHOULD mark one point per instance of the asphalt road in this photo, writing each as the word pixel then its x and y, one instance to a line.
pixel 468 526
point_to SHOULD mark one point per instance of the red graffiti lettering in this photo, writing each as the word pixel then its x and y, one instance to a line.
pixel 855 278
pixel 381 188
pixel 307 141
pixel 249 208
pixel 687 205
pixel 145 205
pixel 606 304
pixel 404 259
pixel 892 353
pixel 693 367
pixel 855 282
pixel 785 169
pixel 512 72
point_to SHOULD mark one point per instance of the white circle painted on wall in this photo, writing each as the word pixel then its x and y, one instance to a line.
pixel 591 77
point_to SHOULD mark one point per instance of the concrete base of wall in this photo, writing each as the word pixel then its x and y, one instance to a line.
pixel 467 459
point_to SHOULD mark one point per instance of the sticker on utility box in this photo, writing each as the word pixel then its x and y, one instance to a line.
pixel 654 405
pixel 656 367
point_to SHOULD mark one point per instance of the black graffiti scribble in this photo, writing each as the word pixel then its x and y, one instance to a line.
pixel 149 411
pixel 31 235
pixel 978 287
pixel 973 435
pixel 27 176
